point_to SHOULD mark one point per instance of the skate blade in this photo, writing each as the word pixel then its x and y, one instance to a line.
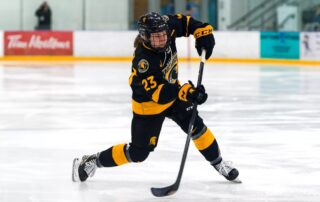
pixel 75 173
pixel 237 180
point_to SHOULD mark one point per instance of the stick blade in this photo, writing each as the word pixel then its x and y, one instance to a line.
pixel 237 180
pixel 164 191
pixel 75 166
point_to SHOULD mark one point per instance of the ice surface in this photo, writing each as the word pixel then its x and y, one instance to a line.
pixel 266 119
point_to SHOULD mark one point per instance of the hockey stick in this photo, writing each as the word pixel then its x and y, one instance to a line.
pixel 169 190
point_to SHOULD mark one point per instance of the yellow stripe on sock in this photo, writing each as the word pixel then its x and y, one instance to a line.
pixel 118 154
pixel 204 141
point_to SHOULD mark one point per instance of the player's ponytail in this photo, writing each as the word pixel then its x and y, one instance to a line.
pixel 137 41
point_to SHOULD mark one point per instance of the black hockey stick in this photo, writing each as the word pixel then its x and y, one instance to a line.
pixel 169 190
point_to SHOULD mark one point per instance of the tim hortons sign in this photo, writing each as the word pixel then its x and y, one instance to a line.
pixel 38 43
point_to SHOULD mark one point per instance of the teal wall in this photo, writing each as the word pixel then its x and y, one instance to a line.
pixel 280 45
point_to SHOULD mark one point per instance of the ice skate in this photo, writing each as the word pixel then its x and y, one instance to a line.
pixel 82 169
pixel 226 170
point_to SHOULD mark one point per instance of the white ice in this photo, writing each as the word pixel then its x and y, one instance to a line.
pixel 266 119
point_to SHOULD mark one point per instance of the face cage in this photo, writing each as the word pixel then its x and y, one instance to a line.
pixel 148 41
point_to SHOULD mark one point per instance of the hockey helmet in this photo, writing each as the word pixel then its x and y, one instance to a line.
pixel 152 23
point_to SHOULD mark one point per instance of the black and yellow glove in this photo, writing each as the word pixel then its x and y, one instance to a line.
pixel 189 93
pixel 204 39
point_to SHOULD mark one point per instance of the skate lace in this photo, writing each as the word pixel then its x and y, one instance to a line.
pixel 224 167
pixel 90 167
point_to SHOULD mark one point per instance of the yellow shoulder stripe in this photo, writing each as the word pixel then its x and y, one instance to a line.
pixel 179 16
pixel 187 29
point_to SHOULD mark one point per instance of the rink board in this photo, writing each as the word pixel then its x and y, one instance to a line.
pixel 238 46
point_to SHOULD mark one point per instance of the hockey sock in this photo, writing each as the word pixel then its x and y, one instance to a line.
pixel 208 146
pixel 114 156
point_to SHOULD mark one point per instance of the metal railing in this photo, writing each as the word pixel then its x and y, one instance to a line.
pixel 261 17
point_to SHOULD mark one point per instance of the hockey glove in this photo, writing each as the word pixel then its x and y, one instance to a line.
pixel 189 93
pixel 204 39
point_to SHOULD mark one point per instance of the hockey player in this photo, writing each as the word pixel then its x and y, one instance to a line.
pixel 157 94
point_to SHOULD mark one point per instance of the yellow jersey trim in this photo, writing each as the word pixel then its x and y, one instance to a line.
pixel 134 73
pixel 173 31
pixel 147 47
pixel 149 108
pixel 156 94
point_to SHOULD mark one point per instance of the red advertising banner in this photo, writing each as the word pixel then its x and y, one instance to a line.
pixel 38 43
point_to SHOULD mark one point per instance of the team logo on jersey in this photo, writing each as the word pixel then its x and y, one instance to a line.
pixel 153 141
pixel 143 66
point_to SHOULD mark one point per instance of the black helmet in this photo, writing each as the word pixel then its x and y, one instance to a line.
pixel 151 23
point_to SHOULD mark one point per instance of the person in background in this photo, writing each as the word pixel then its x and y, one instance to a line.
pixel 43 14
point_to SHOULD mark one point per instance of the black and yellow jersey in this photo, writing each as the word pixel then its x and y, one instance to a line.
pixel 154 78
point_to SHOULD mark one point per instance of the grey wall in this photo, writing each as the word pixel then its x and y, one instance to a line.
pixel 10 14
pixel 231 10
pixel 66 14
pixel 107 14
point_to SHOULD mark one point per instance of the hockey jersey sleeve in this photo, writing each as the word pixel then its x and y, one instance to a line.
pixel 149 80
pixel 182 25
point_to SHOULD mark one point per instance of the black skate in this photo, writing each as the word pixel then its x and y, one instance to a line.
pixel 85 168
pixel 226 170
